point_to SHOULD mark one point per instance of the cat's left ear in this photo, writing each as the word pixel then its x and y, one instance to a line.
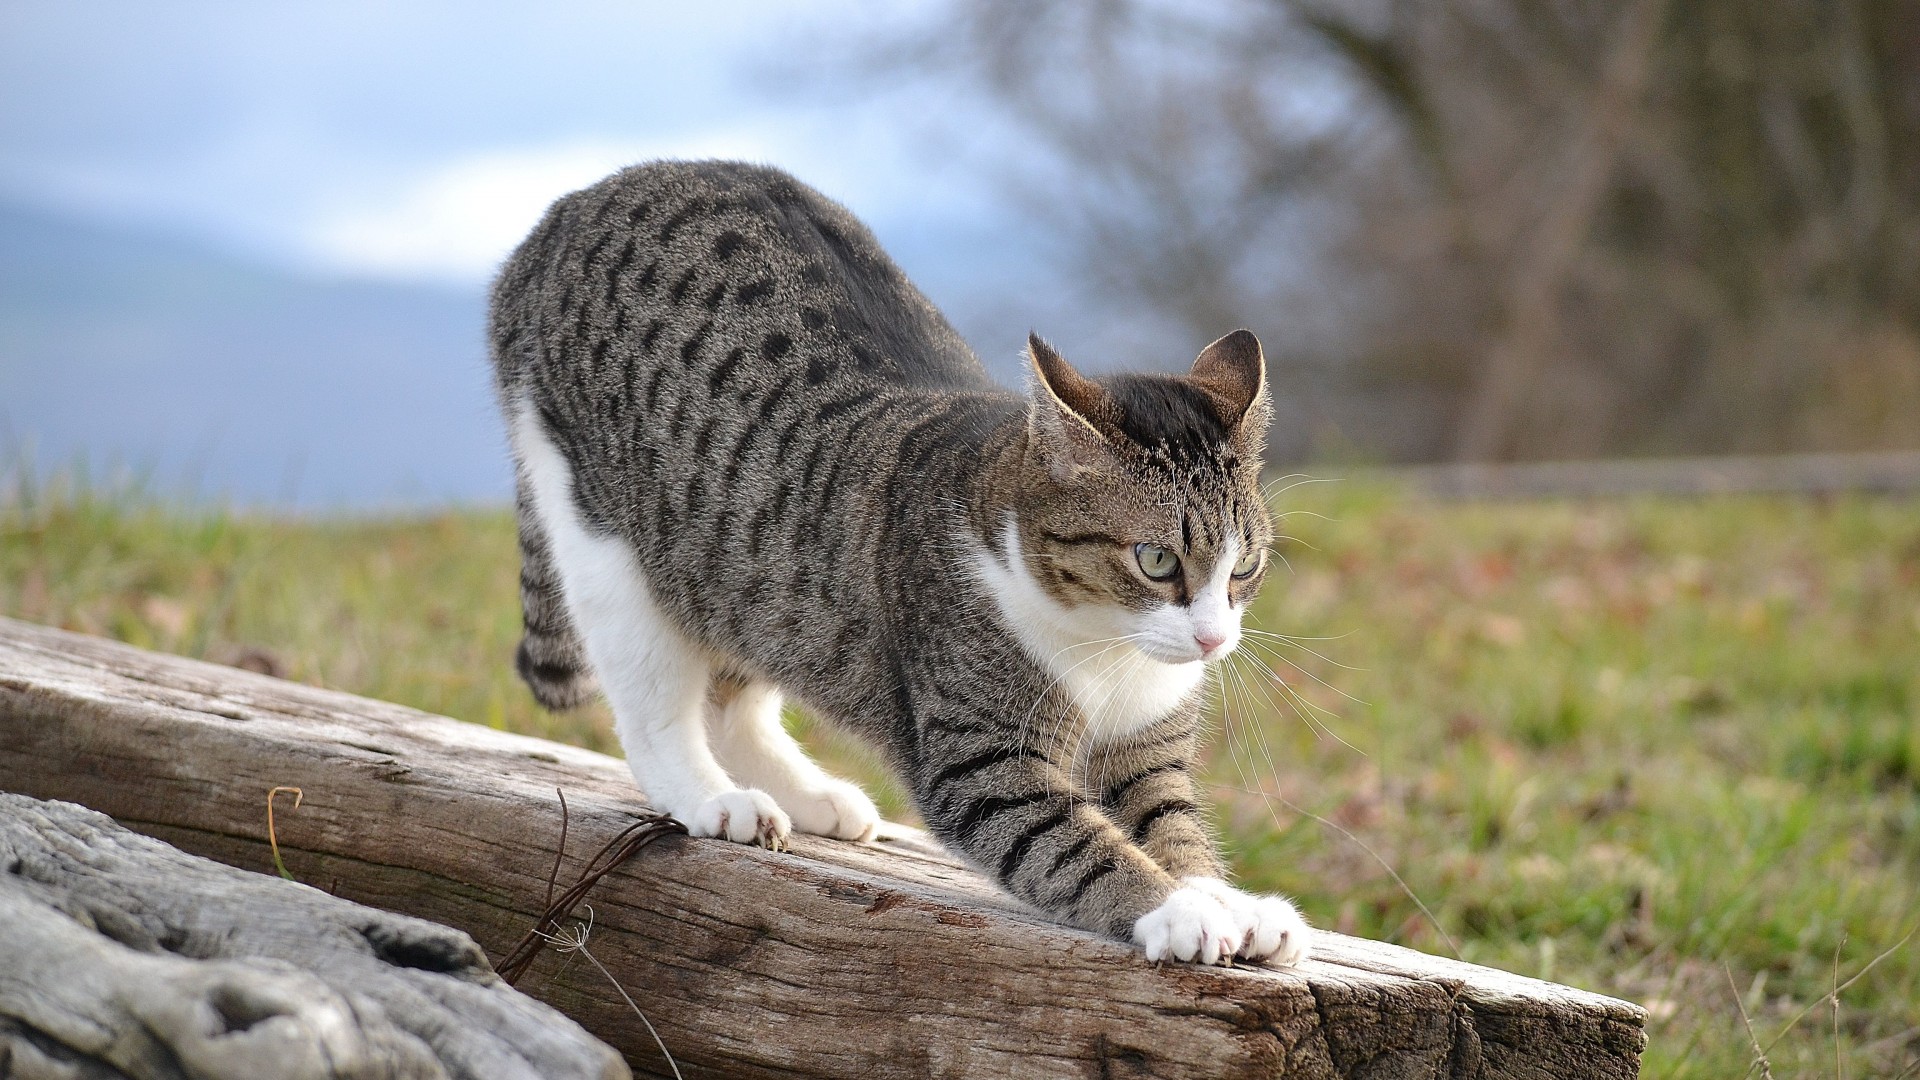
pixel 1064 412
pixel 1233 373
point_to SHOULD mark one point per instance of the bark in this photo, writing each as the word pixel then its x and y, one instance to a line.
pixel 888 959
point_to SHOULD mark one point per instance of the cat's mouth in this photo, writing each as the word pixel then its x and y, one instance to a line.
pixel 1192 653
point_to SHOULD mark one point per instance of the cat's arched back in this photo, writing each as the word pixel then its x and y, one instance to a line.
pixel 755 462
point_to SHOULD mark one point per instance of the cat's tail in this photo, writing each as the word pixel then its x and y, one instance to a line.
pixel 550 657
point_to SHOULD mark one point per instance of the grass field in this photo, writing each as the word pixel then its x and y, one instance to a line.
pixel 1666 750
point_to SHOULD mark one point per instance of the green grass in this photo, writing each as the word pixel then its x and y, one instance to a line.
pixel 1662 749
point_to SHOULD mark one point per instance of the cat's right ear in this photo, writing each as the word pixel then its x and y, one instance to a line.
pixel 1062 408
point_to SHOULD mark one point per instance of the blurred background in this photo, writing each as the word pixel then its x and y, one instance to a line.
pixel 1667 748
pixel 243 249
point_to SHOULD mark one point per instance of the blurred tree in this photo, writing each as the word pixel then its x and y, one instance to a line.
pixel 1490 229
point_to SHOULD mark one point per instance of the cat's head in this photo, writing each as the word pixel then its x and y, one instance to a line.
pixel 1142 516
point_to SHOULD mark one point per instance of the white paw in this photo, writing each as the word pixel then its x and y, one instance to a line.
pixel 1189 925
pixel 744 816
pixel 1270 928
pixel 838 809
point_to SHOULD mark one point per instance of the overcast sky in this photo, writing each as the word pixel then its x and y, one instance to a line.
pixel 248 239
pixel 420 140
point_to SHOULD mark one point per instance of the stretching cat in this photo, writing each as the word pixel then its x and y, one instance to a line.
pixel 754 460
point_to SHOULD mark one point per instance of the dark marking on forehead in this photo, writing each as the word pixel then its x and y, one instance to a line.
pixel 1159 412
pixel 1083 538
pixel 1217 528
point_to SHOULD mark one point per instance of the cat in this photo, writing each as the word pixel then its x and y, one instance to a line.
pixel 754 462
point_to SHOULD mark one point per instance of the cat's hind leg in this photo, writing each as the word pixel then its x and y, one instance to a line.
pixel 755 747
pixel 655 679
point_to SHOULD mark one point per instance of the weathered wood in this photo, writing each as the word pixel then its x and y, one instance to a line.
pixel 833 959
pixel 122 956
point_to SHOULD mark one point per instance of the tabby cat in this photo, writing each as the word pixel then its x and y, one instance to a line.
pixel 755 462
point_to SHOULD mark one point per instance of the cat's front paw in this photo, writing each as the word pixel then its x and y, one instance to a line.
pixel 837 809
pixel 744 816
pixel 1189 925
pixel 1270 927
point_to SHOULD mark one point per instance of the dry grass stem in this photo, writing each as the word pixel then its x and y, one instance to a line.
pixel 1759 1055
pixel 575 941
pixel 273 839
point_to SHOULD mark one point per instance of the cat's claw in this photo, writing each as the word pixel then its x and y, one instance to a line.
pixel 744 816
pixel 1190 925
pixel 1270 928
pixel 837 809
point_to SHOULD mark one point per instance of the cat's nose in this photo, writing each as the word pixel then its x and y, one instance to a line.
pixel 1208 642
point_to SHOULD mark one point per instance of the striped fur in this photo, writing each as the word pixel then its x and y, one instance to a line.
pixel 756 461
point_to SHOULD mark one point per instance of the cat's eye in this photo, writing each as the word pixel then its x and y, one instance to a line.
pixel 1156 562
pixel 1248 563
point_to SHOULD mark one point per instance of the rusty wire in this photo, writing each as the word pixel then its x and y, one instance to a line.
pixel 615 852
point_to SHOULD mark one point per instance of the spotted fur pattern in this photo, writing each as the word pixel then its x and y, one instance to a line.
pixel 755 461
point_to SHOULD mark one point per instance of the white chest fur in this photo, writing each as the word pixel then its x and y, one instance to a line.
pixel 1118 688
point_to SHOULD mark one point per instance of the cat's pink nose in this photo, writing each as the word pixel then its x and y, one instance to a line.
pixel 1209 642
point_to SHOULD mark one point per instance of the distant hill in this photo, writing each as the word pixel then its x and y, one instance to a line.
pixel 233 380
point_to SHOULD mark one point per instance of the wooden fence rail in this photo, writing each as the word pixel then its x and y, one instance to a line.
pixel 833 959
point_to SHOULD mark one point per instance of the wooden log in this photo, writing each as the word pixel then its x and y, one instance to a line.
pixel 887 959
pixel 122 956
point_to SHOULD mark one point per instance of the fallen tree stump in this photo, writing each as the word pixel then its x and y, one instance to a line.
pixel 832 959
pixel 122 956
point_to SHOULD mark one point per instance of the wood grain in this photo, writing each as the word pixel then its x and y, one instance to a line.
pixel 833 959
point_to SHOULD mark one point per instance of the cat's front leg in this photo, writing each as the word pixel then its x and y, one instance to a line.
pixel 1014 813
pixel 1147 788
